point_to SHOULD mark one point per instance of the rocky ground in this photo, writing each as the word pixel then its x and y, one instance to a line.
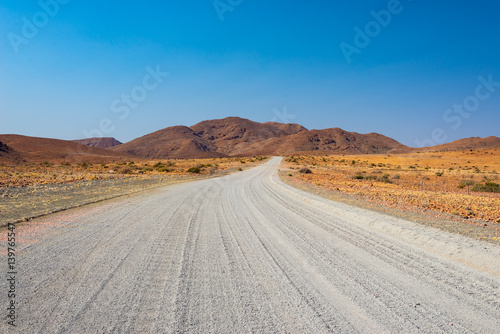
pixel 473 228
pixel 34 197
pixel 246 253
pixel 23 203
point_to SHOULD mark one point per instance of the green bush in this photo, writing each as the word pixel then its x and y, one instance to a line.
pixel 305 171
pixel 162 169
pixel 490 187
pixel 195 170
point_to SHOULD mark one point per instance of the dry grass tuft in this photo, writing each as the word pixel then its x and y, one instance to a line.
pixel 460 183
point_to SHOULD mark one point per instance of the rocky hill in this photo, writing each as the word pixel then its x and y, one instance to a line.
pixel 99 142
pixel 234 136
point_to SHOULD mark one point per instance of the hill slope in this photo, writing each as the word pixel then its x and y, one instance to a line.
pixel 99 142
pixel 7 153
pixel 239 136
pixel 171 142
pixel 332 140
pixel 466 144
pixel 35 149
pixel 231 136
pixel 234 136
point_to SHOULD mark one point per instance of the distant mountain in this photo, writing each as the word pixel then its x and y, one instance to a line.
pixel 5 149
pixel 465 144
pixel 171 142
pixel 234 136
pixel 333 140
pixel 34 149
pixel 231 136
pixel 238 136
pixel 100 142
pixel 7 153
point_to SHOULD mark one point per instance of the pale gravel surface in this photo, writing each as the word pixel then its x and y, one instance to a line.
pixel 23 203
pixel 248 254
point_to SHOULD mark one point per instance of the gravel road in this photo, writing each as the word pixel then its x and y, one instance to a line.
pixel 246 253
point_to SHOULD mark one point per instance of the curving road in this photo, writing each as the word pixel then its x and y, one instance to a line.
pixel 247 253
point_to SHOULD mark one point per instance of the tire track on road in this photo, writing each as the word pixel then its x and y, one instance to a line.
pixel 248 254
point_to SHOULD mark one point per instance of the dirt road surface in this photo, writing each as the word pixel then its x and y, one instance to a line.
pixel 246 253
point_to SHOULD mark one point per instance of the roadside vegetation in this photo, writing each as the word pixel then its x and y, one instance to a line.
pixel 32 190
pixel 464 184
pixel 46 172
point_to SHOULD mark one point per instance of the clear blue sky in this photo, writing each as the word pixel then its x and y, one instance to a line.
pixel 70 73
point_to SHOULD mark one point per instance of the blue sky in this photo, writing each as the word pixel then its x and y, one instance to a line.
pixel 264 61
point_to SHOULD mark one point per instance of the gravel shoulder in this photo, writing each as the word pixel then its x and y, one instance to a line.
pixel 473 228
pixel 18 204
pixel 246 253
pixel 25 203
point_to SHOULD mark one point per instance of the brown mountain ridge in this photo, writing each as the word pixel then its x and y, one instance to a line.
pixel 99 142
pixel 234 136
pixel 466 144
pixel 231 136
pixel 17 148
